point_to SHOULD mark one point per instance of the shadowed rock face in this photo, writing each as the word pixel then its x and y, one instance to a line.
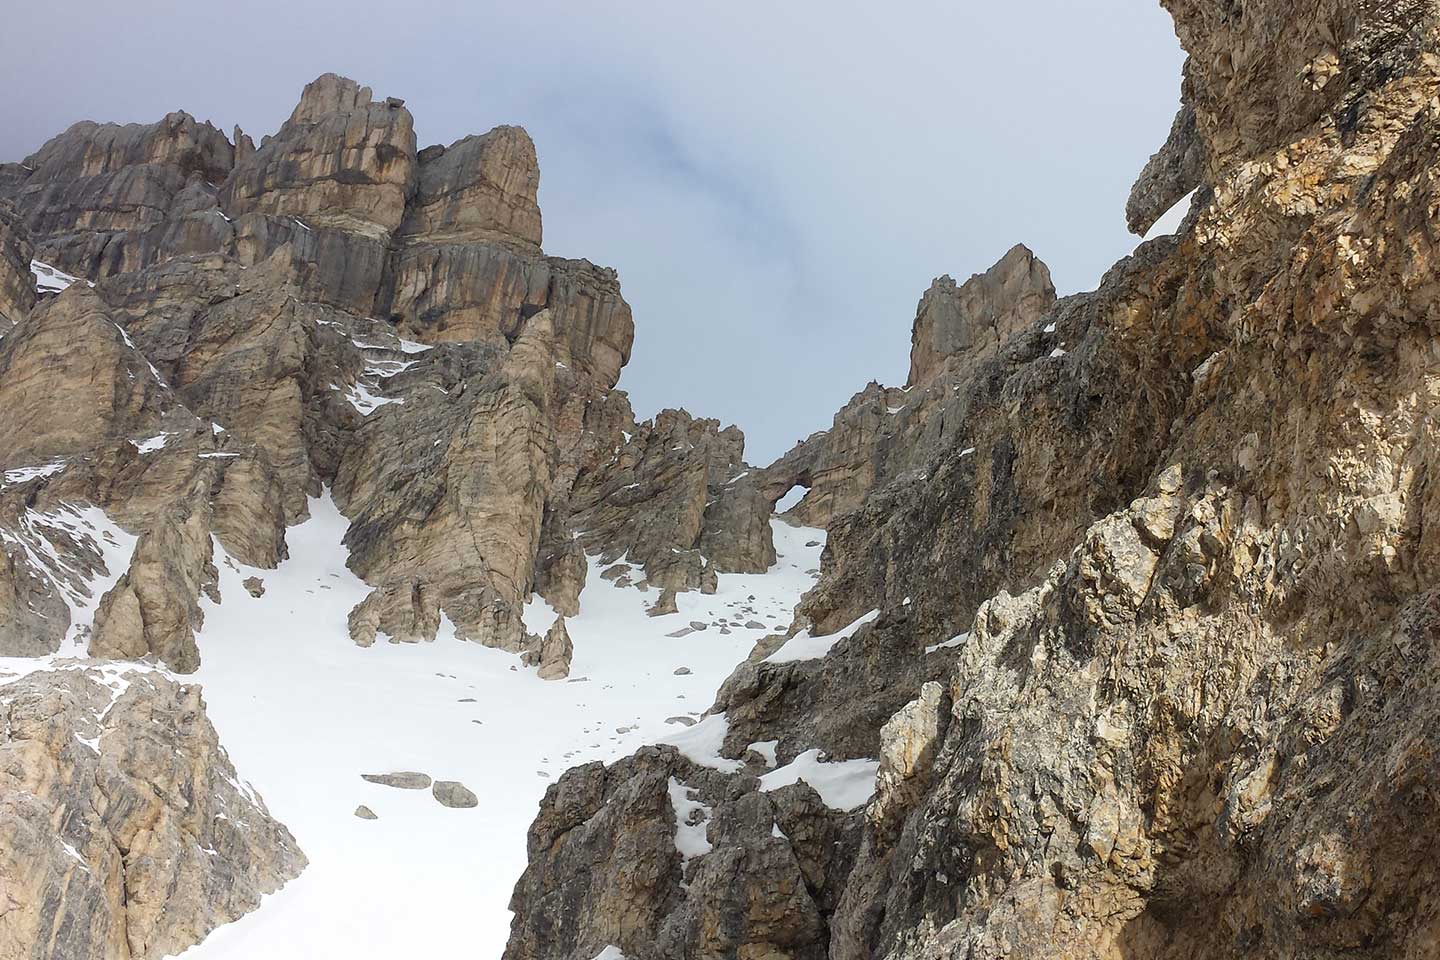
pixel 1172 173
pixel 677 499
pixel 17 286
pixel 887 432
pixel 1153 672
pixel 102 198
pixel 972 320
pixel 124 830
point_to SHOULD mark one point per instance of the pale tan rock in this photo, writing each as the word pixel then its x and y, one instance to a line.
pixel 341 161
pixel 485 483
pixel 664 605
pixel 556 651
pixel 68 367
pixel 972 320
pixel 478 189
pixel 154 608
pixel 126 831
pixel 908 744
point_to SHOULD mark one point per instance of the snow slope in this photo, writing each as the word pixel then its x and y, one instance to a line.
pixel 304 712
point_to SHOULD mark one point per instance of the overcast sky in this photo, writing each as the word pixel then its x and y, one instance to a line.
pixel 776 182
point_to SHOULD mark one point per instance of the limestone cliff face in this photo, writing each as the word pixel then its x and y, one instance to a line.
pixel 90 422
pixel 969 322
pixel 126 832
pixel 236 291
pixel 676 499
pixel 1152 670
pixel 341 161
pixel 105 198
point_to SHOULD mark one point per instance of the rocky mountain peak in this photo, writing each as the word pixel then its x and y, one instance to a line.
pixel 479 188
pixel 328 94
pixel 971 320
pixel 342 160
pixel 89 149
pixel 1120 639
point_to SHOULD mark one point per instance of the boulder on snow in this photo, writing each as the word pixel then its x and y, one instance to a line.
pixel 404 779
pixel 452 793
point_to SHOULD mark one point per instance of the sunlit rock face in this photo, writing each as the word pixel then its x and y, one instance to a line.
pixel 1151 662
pixel 199 334
pixel 333 307
pixel 127 832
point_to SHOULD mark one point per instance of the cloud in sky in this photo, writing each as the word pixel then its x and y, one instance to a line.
pixel 776 182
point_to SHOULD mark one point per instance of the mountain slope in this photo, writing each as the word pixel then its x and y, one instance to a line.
pixel 263 408
pixel 1150 669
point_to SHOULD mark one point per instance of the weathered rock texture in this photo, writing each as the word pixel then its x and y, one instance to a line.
pixel 969 322
pixel 1154 670
pixel 676 499
pixel 17 285
pixel 126 833
pixel 88 421
pixel 246 327
pixel 1174 171
pixel 888 432
pixel 333 308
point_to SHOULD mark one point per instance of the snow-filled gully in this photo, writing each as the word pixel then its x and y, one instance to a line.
pixel 303 712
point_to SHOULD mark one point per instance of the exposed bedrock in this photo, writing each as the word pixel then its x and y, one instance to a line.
pixel 1155 596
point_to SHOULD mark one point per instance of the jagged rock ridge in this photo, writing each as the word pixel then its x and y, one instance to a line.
pixel 224 330
pixel 452 429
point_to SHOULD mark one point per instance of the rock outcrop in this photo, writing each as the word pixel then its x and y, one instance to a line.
pixel 113 436
pixel 102 199
pixel 1176 170
pixel 1152 672
pixel 126 832
pixel 239 285
pixel 887 432
pixel 677 499
pixel 970 321
pixel 17 285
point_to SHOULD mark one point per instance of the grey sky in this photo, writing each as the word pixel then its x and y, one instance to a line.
pixel 776 182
